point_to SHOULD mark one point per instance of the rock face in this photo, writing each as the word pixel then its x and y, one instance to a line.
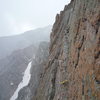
pixel 73 67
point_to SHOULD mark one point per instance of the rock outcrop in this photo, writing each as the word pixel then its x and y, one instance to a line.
pixel 73 68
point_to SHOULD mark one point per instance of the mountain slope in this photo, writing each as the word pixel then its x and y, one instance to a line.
pixel 73 68
pixel 10 43
pixel 11 70
pixel 15 54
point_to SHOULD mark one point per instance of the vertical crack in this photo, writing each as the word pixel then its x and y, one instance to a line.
pixel 53 82
pixel 52 94
pixel 78 55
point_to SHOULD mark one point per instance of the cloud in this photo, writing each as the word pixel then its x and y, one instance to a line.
pixel 12 23
pixel 17 16
pixel 10 26
pixel 26 26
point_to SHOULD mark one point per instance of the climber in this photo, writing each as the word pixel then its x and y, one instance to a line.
pixel 63 82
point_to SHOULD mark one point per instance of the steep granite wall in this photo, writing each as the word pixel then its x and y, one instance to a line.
pixel 73 68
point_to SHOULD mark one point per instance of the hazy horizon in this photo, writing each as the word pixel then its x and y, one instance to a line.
pixel 18 16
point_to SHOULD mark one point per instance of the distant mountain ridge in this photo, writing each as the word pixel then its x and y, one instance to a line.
pixel 10 43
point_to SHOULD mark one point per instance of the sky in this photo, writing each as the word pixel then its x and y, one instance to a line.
pixel 18 16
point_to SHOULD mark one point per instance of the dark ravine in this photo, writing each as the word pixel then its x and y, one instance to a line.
pixel 38 63
pixel 72 71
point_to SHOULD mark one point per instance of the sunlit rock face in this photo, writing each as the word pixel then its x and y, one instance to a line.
pixel 72 71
